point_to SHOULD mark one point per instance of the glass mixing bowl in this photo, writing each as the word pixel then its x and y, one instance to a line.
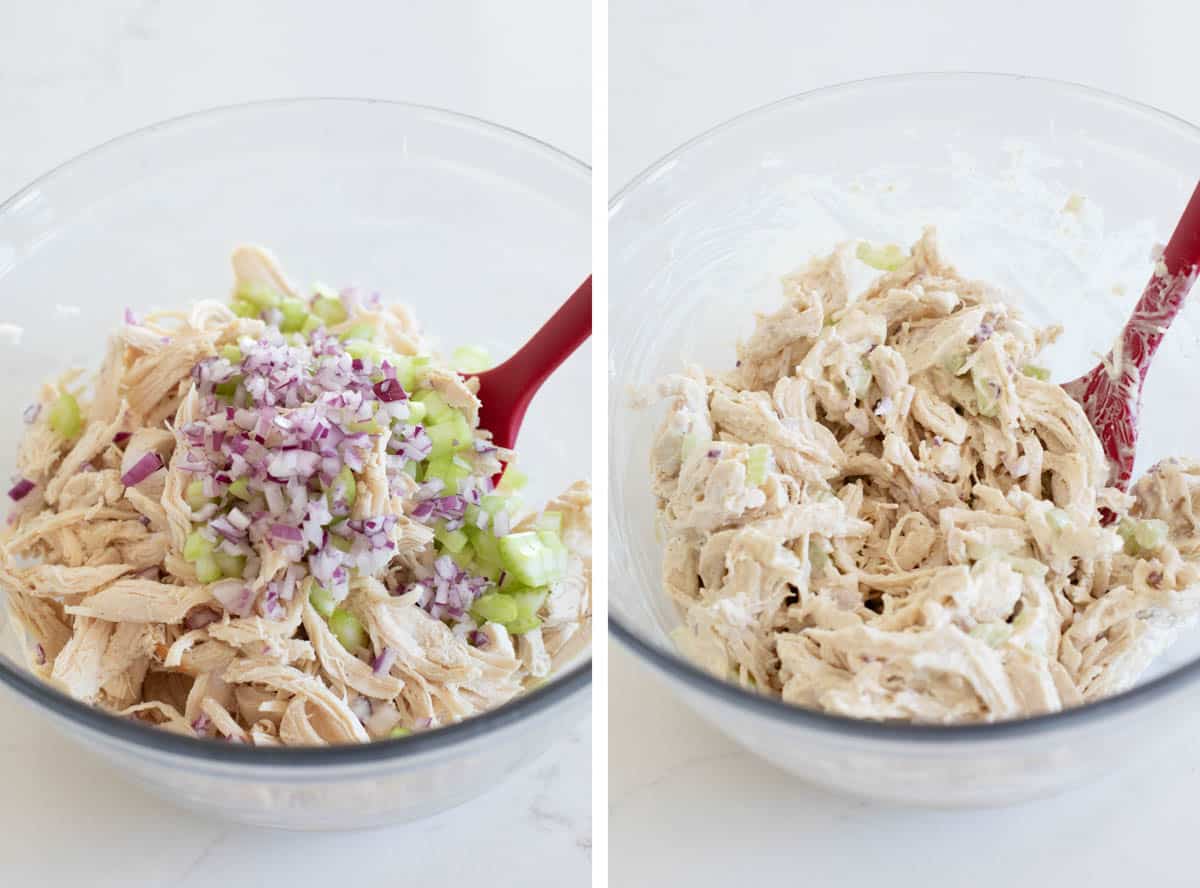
pixel 482 230
pixel 1053 191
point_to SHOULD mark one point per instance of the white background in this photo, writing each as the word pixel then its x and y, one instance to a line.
pixel 687 806
pixel 73 74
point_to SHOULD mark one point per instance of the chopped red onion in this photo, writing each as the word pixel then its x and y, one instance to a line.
pixel 20 490
pixel 389 390
pixel 234 595
pixel 383 663
pixel 286 534
pixel 39 654
pixel 30 413
pixel 147 465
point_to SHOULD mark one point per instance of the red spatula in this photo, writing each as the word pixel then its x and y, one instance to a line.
pixel 1111 392
pixel 506 390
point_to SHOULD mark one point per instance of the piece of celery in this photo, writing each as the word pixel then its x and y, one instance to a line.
pixel 348 629
pixel 321 601
pixel 207 569
pixel 470 359
pixel 196 546
pixel 756 464
pixel 494 607
pixel 295 313
pixel 329 308
pixel 193 494
pixel 886 257
pixel 534 558
pixel 65 417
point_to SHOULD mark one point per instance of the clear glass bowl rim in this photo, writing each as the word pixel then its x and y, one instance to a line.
pixel 706 684
pixel 549 695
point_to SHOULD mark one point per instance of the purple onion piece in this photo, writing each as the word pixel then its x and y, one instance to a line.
pixel 147 465
pixel 20 490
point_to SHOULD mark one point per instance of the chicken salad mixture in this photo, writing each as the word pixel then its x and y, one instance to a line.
pixel 274 522
pixel 888 511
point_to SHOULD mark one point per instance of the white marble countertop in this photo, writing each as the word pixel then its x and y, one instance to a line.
pixel 75 74
pixel 687 805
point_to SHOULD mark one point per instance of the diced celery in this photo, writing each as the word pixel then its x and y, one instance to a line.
pixel 341 543
pixel 1041 373
pixel 756 464
pixel 329 308
pixel 416 410
pixel 436 408
pixel 448 471
pixel 550 521
pixel 370 426
pixel 535 559
pixel 1150 534
pixel 494 607
pixel 521 625
pixel 987 392
pixel 196 546
pixel 193 494
pixel 449 435
pixel 485 570
pixel 359 331
pixel 406 367
pixel 527 603
pixel 260 296
pixel 344 486
pixel 348 629
pixel 230 565
pixel 65 417
pixel 207 569
pixel 887 257
pixel 398 732
pixel 493 503
pixel 512 480
pixel 487 551
pixel 244 309
pixel 364 350
pixel 228 388
pixel 1142 537
pixel 295 313
pixel 453 541
pixel 311 323
pixel 470 359
pixel 240 488
pixel 321 600
pixel 231 353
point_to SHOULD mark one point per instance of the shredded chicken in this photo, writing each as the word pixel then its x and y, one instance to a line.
pixel 886 511
pixel 319 593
